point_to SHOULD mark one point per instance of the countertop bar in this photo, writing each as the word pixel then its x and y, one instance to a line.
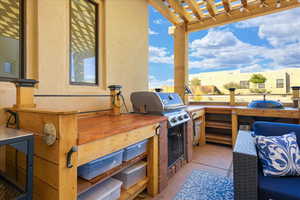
pixel 98 127
pixel 192 108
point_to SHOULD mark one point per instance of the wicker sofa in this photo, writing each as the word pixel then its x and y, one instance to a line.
pixel 249 182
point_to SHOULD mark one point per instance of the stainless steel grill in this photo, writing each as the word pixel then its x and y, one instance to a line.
pixel 171 106
pixel 159 103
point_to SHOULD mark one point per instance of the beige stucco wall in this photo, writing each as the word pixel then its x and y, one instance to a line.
pixel 220 78
pixel 123 53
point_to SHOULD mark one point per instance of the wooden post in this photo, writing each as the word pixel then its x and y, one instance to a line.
pixel 296 96
pixel 232 96
pixel 202 140
pixel 234 123
pixel 25 93
pixel 181 61
pixel 153 170
pixel 52 178
pixel 115 98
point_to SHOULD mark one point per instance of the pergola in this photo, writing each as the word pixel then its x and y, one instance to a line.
pixel 195 15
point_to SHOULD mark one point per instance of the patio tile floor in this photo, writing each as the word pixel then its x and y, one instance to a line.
pixel 210 157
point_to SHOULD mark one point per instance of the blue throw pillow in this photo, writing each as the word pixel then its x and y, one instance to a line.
pixel 279 155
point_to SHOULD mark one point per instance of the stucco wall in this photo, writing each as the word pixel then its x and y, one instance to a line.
pixel 123 53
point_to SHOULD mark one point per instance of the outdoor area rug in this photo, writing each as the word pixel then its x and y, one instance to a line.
pixel 203 185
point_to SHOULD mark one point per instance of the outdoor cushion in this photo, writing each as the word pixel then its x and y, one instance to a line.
pixel 279 155
pixel 273 129
pixel 279 188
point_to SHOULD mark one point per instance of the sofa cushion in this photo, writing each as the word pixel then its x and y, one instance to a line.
pixel 279 155
pixel 279 188
pixel 273 129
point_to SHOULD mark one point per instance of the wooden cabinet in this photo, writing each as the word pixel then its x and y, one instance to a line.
pixel 93 137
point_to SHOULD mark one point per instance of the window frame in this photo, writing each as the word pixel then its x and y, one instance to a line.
pixel 22 45
pixel 248 85
pixel 261 85
pixel 96 46
pixel 281 79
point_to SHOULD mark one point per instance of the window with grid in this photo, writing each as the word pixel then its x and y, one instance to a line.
pixel 12 65
pixel 84 42
pixel 279 83
pixel 261 85
pixel 244 84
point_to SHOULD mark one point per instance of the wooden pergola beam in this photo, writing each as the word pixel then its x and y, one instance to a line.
pixel 181 53
pixel 236 15
pixel 244 3
pixel 211 8
pixel 227 5
pixel 165 11
pixel 194 6
pixel 179 9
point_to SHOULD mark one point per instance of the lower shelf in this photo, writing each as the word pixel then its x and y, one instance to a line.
pixel 7 191
pixel 219 138
pixel 135 190
pixel 84 185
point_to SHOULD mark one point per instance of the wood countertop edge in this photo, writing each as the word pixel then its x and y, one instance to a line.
pixel 44 111
pixel 108 133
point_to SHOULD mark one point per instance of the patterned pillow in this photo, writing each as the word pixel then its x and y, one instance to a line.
pixel 279 155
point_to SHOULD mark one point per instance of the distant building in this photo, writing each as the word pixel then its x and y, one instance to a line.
pixel 278 81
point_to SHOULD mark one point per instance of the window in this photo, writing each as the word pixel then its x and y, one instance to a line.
pixel 244 84
pixel 261 85
pixel 84 42
pixel 11 40
pixel 279 83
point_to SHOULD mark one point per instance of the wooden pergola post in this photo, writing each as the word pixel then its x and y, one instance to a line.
pixel 181 60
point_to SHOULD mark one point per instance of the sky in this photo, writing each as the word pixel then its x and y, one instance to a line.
pixel 264 43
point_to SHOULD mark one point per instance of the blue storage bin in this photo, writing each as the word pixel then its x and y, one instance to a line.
pixel 135 150
pixel 100 165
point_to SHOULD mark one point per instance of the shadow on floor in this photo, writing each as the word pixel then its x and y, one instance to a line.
pixel 210 157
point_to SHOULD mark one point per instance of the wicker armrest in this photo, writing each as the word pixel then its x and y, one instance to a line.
pixel 245 167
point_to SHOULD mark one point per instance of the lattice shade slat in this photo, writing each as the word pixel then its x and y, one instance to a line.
pixel 204 14
pixel 9 19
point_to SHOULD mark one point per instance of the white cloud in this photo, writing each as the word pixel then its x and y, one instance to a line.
pixel 223 50
pixel 160 55
pixel 155 83
pixel 279 29
pixel 151 32
pixel 158 21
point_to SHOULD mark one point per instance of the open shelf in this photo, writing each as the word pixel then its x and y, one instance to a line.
pixel 84 185
pixel 135 190
pixel 219 138
pixel 8 191
pixel 218 124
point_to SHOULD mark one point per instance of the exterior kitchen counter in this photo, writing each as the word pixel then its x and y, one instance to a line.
pixel 226 117
pixel 98 127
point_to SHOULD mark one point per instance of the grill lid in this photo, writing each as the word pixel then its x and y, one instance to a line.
pixel 155 102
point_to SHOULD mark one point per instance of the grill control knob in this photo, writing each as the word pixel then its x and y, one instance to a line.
pixel 174 120
pixel 186 116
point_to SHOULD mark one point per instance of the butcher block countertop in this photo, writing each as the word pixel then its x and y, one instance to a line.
pixel 98 127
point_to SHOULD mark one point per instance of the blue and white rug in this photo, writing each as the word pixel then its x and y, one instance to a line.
pixel 203 185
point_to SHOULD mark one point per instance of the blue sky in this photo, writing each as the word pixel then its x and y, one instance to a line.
pixel 264 43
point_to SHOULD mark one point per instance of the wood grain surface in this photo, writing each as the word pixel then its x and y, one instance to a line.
pixel 98 127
